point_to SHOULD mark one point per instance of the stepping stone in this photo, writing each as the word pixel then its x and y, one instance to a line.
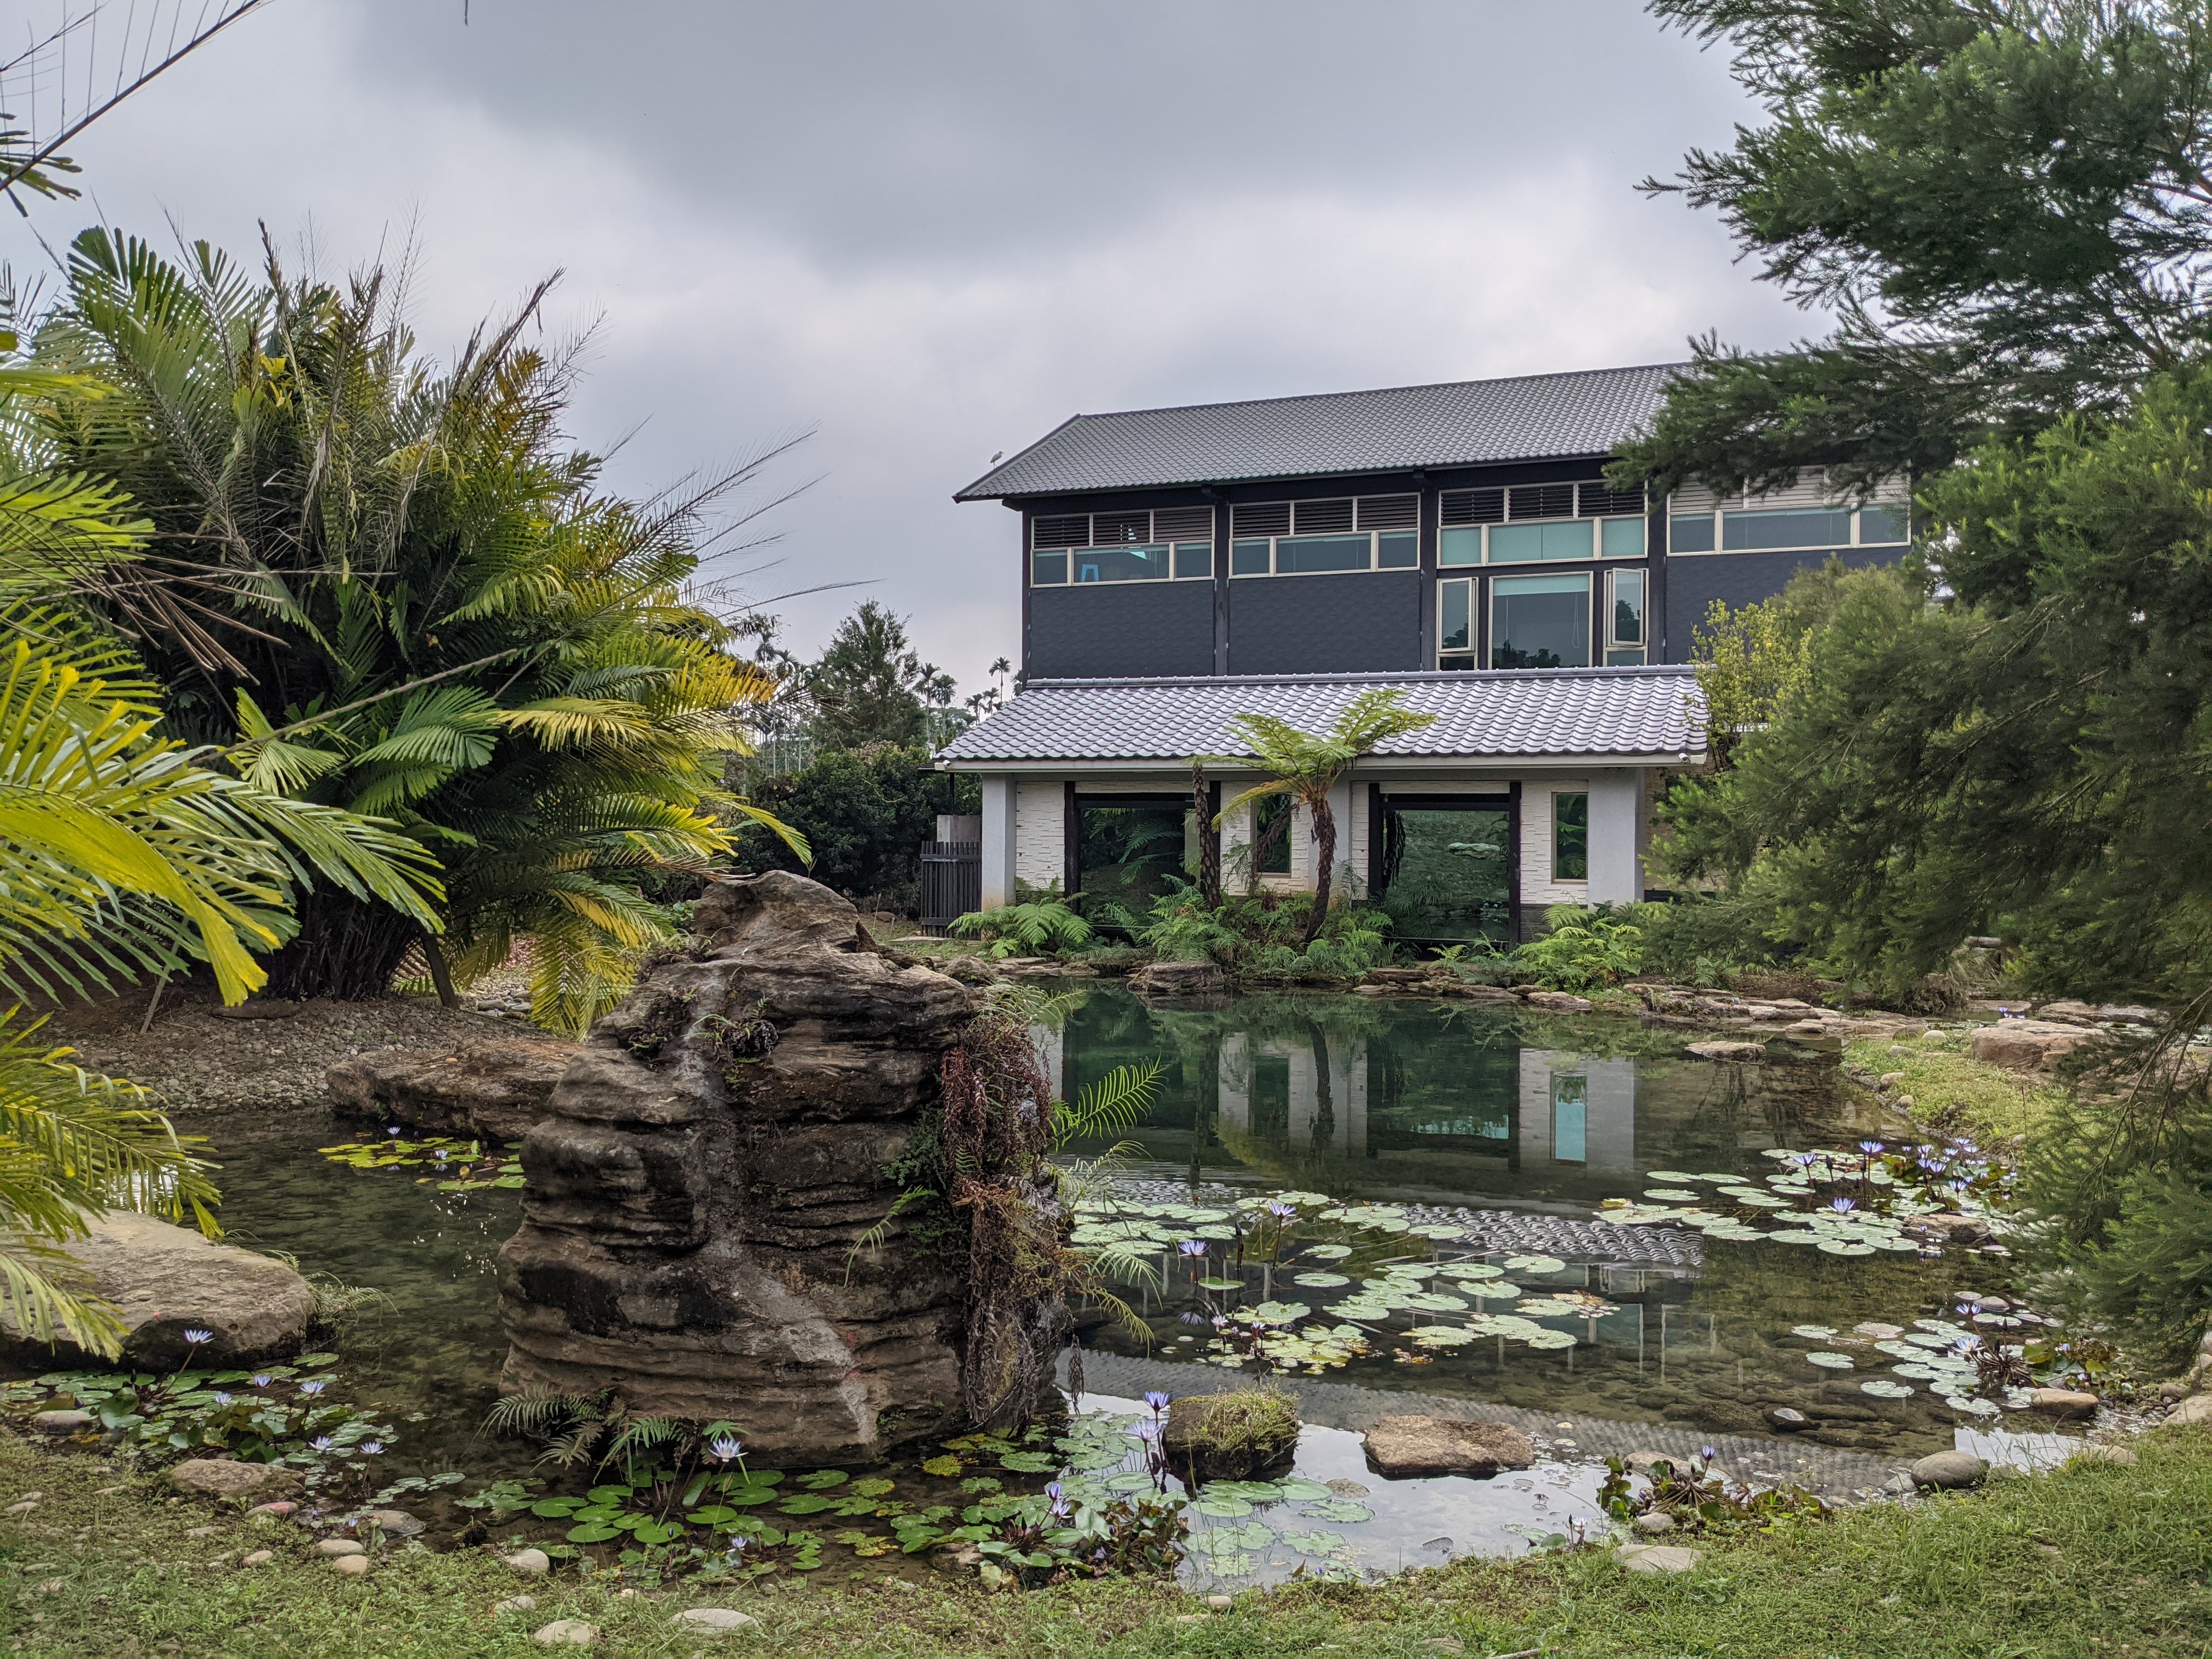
pixel 566 1633
pixel 1950 1471
pixel 717 1621
pixel 1656 1558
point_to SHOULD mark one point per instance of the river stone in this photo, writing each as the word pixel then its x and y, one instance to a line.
pixel 259 1559
pixel 1400 1446
pixel 64 1422
pixel 515 1604
pixel 719 1621
pixel 393 1523
pixel 349 1566
pixel 224 1477
pixel 566 1633
pixel 1949 1471
pixel 1178 978
pixel 2062 1402
pixel 531 1563
pixel 163 1281
pixel 1944 1228
pixel 1656 1558
pixel 2198 1409
pixel 694 1191
pixel 1559 1002
pixel 340 1546
pixel 496 1089
pixel 1722 1049
pixel 1654 1524
pixel 2029 1045
pixel 1788 1419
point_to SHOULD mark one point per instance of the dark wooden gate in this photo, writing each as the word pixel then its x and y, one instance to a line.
pixel 952 881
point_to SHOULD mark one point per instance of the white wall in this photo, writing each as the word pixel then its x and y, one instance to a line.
pixel 1616 845
pixel 1041 834
pixel 998 841
pixel 1537 889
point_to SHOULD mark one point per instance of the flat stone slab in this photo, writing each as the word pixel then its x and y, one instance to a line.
pixel 1724 1048
pixel 718 1621
pixel 164 1280
pixel 566 1633
pixel 224 1477
pixel 1656 1558
pixel 1401 1446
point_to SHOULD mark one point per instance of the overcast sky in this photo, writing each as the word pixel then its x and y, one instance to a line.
pixel 929 230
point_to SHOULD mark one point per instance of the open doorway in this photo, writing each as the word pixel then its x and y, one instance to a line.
pixel 1449 869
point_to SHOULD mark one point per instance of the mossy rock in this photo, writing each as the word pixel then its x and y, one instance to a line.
pixel 1230 1437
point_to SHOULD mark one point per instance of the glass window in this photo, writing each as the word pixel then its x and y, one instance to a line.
pixel 1884 526
pixel 1193 559
pixel 1455 620
pixel 1746 532
pixel 1249 559
pixel 1120 564
pixel 1690 533
pixel 1570 838
pixel 1626 621
pixel 1299 556
pixel 1460 544
pixel 1516 543
pixel 1271 835
pixel 1401 551
pixel 1465 662
pixel 1540 621
pixel 1621 539
pixel 1047 569
pixel 1570 1119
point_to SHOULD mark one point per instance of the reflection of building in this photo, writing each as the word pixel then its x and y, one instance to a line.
pixel 1578 1110
pixel 1277 1090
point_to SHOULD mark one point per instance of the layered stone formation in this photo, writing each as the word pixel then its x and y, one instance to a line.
pixel 708 1163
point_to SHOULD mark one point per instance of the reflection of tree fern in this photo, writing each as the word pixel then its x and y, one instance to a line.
pixel 1107 1106
pixel 876 1234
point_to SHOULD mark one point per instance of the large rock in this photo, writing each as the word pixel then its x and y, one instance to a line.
pixel 163 1281
pixel 1230 1436
pixel 1178 979
pixel 224 1477
pixel 1444 1445
pixel 2029 1045
pixel 496 1089
pixel 1950 1471
pixel 2198 1409
pixel 706 1169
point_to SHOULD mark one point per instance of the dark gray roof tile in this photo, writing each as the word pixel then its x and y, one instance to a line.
pixel 1650 713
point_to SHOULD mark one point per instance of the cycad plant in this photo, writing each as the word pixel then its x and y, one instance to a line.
pixel 390 587
pixel 1306 767
pixel 124 856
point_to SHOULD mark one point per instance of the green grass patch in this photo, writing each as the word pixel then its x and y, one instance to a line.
pixel 1949 1086
pixel 2097 1559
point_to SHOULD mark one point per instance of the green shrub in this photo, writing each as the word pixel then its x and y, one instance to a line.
pixel 1035 926
pixel 864 813
pixel 1258 937
pixel 1582 949
pixel 1702 939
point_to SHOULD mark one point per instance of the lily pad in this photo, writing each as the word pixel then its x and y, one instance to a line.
pixel 1535 1264
pixel 1341 1510
pixel 1320 1281
pixel 1834 1362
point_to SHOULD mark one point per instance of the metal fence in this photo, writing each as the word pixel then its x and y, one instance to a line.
pixel 952 881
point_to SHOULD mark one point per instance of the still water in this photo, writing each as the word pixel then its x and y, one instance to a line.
pixel 1483 1136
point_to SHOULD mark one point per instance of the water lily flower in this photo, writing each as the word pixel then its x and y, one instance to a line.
pixel 738 1541
pixel 372 1447
pixel 1282 1212
pixel 1870 1147
pixel 195 1338
pixel 724 1447
pixel 1157 1400
pixel 393 1129
pixel 321 1442
pixel 1147 1431
pixel 1842 1206
pixel 313 1388
pixel 1194 1247
pixel 1708 1453
pixel 439 1153
pixel 221 1398
pixel 262 1379
pixel 1193 1319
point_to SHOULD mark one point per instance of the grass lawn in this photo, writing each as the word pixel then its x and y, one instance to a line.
pixel 1947 1084
pixel 2097 1559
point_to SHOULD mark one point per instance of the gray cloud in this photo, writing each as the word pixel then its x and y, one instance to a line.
pixel 934 230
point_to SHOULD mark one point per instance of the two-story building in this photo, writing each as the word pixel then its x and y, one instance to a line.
pixel 1180 566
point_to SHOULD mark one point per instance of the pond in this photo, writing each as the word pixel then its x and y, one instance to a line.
pixel 1390 1206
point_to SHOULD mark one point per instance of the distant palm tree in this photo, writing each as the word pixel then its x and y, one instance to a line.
pixel 1306 768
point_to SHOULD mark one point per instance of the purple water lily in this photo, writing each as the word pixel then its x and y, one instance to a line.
pixel 221 1398
pixel 1193 1319
pixel 1147 1431
pixel 1842 1206
pixel 724 1447
pixel 372 1448
pixel 262 1379
pixel 1158 1400
pixel 1280 1211
pixel 1870 1147
pixel 195 1338
pixel 1194 1247
pixel 313 1388
pixel 321 1442
pixel 393 1129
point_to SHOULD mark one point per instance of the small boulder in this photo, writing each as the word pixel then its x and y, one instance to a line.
pixel 337 1546
pixel 1230 1437
pixel 393 1523
pixel 224 1477
pixel 1945 1228
pixel 2068 1012
pixel 276 1511
pixel 1656 1558
pixel 2029 1045
pixel 1788 1419
pixel 1640 1462
pixel 349 1566
pixel 1401 1446
pixel 531 1563
pixel 1655 1523
pixel 1722 1049
pixel 164 1280
pixel 259 1559
pixel 714 1621
pixel 525 1603
pixel 566 1633
pixel 2198 1409
pixel 1559 1002
pixel 63 1423
pixel 1950 1471
pixel 2063 1402
pixel 1180 979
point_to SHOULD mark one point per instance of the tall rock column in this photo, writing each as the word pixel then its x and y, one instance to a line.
pixel 711 1157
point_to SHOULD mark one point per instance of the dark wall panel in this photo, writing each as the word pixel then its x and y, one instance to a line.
pixel 1114 630
pixel 1695 581
pixel 1348 624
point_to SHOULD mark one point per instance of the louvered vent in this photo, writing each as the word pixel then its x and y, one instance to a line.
pixel 1262 518
pixel 1183 524
pixel 1541 501
pixel 1597 501
pixel 1472 505
pixel 1107 528
pixel 1066 530
pixel 1323 517
pixel 1693 498
pixel 1388 511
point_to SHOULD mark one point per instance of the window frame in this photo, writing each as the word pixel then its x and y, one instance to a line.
pixel 1610 644
pixel 1072 553
pixel 1718 516
pixel 1585 570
